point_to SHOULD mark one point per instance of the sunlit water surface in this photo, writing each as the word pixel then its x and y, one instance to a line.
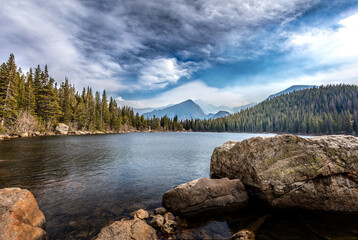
pixel 83 183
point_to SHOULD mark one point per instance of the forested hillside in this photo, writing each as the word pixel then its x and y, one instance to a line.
pixel 331 109
pixel 32 101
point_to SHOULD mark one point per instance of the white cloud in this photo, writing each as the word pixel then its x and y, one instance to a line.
pixel 329 45
pixel 160 72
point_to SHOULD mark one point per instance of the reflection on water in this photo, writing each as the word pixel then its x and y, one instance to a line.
pixel 82 183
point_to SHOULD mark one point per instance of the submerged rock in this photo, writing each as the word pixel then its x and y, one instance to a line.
pixel 318 173
pixel 136 229
pixel 205 195
pixel 62 129
pixel 20 216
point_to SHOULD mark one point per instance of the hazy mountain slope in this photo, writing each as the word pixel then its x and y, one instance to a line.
pixel 220 114
pixel 184 110
pixel 211 109
pixel 291 89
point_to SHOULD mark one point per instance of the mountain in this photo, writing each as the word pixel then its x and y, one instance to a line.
pixel 243 107
pixel 291 89
pixel 220 114
pixel 184 110
pixel 141 111
pixel 210 109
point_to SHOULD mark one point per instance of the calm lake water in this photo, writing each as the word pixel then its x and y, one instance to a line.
pixel 83 183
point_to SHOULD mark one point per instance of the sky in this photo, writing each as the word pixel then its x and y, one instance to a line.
pixel 152 53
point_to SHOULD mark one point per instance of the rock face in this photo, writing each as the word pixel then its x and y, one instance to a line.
pixel 62 129
pixel 318 173
pixel 20 216
pixel 205 195
pixel 136 229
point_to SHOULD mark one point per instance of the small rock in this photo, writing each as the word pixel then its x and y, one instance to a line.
pixel 177 219
pixel 62 129
pixel 157 221
pixel 169 216
pixel 24 135
pixel 141 214
pixel 169 226
pixel 244 234
pixel 128 230
pixel 160 211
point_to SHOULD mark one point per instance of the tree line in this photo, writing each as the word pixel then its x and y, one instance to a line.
pixel 33 101
pixel 331 109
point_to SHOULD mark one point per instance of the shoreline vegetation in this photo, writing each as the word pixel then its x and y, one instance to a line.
pixel 32 104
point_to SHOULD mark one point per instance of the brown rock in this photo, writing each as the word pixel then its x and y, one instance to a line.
pixel 244 235
pixel 204 194
pixel 290 171
pixel 169 226
pixel 169 216
pixel 157 221
pixel 141 214
pixel 128 230
pixel 160 211
pixel 20 216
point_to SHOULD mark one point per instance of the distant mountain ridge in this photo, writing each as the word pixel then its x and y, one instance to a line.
pixel 185 110
pixel 211 109
pixel 291 89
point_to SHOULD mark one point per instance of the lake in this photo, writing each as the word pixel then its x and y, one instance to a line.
pixel 83 183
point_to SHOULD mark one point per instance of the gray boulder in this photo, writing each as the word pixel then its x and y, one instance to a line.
pixel 205 195
pixel 20 216
pixel 136 229
pixel 62 129
pixel 318 173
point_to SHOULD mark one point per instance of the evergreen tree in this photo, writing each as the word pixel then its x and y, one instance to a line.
pixel 8 91
pixel 30 93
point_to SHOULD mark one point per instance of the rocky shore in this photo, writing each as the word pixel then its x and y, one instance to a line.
pixel 61 129
pixel 284 172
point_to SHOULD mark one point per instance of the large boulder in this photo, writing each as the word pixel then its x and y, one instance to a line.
pixel 136 229
pixel 205 195
pixel 318 173
pixel 62 129
pixel 20 216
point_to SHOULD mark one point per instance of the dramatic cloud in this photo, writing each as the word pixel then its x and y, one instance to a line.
pixel 144 49
pixel 160 72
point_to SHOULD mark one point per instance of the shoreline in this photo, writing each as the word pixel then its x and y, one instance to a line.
pixel 7 136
